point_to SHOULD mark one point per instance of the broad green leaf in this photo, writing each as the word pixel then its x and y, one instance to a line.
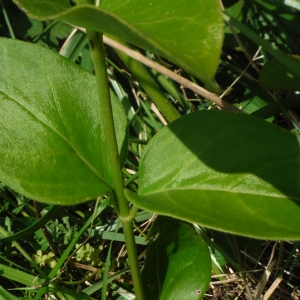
pixel 224 170
pixel 51 146
pixel 189 33
pixel 178 264
pixel 276 76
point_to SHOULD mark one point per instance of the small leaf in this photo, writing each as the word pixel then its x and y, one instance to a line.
pixel 251 101
pixel 224 170
pixel 277 76
pixel 51 146
pixel 178 264
pixel 255 98
pixel 188 33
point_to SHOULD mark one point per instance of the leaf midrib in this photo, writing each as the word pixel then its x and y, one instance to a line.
pixel 163 191
pixel 80 156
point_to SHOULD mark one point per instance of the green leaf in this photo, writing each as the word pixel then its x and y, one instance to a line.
pixel 31 228
pixel 189 33
pixel 5 295
pixel 18 276
pixel 68 294
pixel 70 247
pixel 98 285
pixel 251 101
pixel 285 59
pixel 231 245
pixel 51 147
pixel 224 170
pixel 30 280
pixel 48 33
pixel 277 76
pixel 254 98
pixel 178 264
pixel 277 107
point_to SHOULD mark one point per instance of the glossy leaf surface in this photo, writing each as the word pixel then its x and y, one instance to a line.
pixel 51 147
pixel 178 264
pixel 189 33
pixel 226 171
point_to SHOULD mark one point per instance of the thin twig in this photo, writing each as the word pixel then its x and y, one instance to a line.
pixel 159 68
pixel 272 288
pixel 240 76
pixel 240 43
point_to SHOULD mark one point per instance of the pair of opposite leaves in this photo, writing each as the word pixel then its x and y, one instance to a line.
pixel 223 170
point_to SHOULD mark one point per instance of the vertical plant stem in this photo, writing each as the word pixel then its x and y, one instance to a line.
pixel 134 263
pixel 111 162
pixel 114 174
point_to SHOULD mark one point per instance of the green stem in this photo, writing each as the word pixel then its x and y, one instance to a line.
pixel 112 166
pixel 133 259
pixel 111 163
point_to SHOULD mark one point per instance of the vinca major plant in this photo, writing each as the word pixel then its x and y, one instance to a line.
pixel 64 139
